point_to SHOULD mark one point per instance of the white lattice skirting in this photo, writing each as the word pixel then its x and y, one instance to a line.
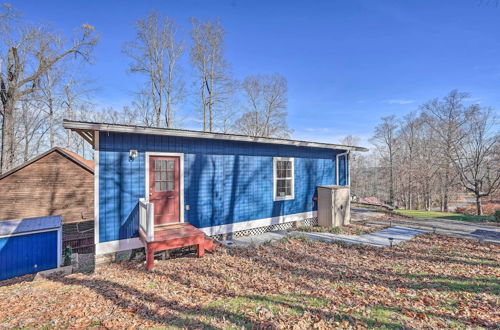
pixel 279 226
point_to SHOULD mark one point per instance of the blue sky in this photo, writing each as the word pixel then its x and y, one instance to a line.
pixel 347 62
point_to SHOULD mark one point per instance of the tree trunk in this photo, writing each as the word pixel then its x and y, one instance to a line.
pixel 210 108
pixel 446 188
pixel 51 124
pixel 204 103
pixel 26 147
pixel 391 183
pixel 8 149
pixel 479 209
pixel 169 110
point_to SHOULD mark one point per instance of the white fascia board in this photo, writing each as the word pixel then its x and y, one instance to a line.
pixel 202 135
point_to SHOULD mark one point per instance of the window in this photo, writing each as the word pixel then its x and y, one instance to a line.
pixel 164 175
pixel 342 164
pixel 283 169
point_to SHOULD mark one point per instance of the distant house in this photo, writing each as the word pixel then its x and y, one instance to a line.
pixel 219 183
pixel 57 182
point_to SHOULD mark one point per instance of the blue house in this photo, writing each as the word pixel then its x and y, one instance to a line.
pixel 219 183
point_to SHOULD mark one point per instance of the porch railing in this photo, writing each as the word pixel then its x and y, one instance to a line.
pixel 146 218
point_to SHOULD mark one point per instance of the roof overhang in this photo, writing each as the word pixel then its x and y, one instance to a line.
pixel 87 129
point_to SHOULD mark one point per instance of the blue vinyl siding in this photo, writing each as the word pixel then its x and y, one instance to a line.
pixel 27 254
pixel 224 181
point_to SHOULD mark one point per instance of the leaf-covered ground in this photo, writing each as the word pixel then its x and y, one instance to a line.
pixel 429 282
pixel 354 228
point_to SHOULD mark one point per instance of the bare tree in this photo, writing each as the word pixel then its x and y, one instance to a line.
pixel 266 98
pixel 49 84
pixel 475 155
pixel 446 118
pixel 30 52
pixel 155 52
pixel 31 127
pixel 409 138
pixel 207 56
pixel 384 139
pixel 426 168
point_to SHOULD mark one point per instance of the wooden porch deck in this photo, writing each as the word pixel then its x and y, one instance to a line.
pixel 174 236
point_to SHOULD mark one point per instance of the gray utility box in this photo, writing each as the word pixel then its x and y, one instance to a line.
pixel 334 206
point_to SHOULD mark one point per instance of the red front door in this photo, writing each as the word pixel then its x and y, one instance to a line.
pixel 164 188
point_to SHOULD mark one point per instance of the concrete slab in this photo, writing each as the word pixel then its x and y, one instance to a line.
pixel 380 238
pixel 260 239
pixel 62 271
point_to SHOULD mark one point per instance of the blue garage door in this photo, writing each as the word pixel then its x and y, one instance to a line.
pixel 27 254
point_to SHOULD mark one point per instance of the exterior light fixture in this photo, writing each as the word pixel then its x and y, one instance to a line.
pixel 132 154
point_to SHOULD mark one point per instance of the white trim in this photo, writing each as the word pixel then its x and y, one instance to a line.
pixel 244 225
pixel 29 232
pixel 292 196
pixel 96 187
pixel 181 178
pixel 118 245
pixel 135 243
pixel 337 167
pixel 59 247
pixel 89 126
pixel 347 164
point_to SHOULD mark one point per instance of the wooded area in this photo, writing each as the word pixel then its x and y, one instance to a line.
pixel 427 157
pixel 421 160
pixel 42 81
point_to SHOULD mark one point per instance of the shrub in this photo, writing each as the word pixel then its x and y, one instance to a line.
pixel 462 210
pixel 490 209
pixel 68 252
pixel 497 216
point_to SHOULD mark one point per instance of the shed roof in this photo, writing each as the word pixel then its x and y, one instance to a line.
pixel 84 129
pixel 72 156
pixel 18 226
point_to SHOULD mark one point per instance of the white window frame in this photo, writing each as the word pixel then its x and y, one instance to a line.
pixel 347 168
pixel 275 178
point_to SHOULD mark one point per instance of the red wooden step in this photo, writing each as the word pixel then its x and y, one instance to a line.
pixel 175 236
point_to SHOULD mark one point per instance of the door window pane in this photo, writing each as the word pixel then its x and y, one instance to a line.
pixel 164 175
pixel 170 186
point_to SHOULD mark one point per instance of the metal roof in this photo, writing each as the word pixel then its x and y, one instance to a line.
pixel 81 126
pixel 27 225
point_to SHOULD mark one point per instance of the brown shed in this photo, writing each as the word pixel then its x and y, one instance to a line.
pixel 57 182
